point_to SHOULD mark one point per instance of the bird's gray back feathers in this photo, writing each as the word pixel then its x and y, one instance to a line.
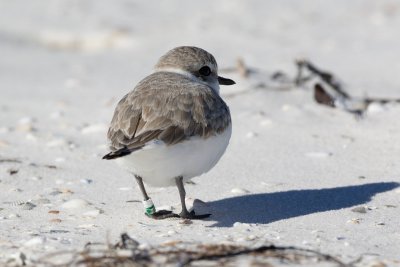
pixel 169 107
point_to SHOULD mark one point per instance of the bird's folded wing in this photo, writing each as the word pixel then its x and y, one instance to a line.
pixel 146 115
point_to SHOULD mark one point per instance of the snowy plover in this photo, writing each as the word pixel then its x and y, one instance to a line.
pixel 173 125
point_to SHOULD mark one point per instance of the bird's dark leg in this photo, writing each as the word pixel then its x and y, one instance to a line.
pixel 182 193
pixel 139 180
pixel 149 206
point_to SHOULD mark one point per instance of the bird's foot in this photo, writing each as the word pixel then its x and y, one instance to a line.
pixel 192 216
pixel 165 214
pixel 162 214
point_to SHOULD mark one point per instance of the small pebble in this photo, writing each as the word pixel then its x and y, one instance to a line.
pixel 125 188
pixel 28 206
pixel 266 122
pixel 72 145
pixel 57 143
pixel 287 107
pixel 239 224
pixel 54 211
pixel 355 221
pixel 55 193
pixel 65 242
pixel 380 223
pixel 251 237
pixel 125 253
pixel 92 213
pixel 239 191
pixel 26 120
pixel 86 181
pixel 317 231
pixel 66 191
pixel 359 210
pixel 251 135
pixel 75 204
pixel 31 137
pixel 59 159
pixel 162 235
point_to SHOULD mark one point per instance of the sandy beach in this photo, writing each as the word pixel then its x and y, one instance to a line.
pixel 296 173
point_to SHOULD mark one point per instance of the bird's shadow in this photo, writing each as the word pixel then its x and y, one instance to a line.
pixel 270 207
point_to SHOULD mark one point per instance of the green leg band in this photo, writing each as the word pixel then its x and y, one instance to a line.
pixel 149 207
pixel 150 210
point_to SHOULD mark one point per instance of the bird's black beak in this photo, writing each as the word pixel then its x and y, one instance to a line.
pixel 225 81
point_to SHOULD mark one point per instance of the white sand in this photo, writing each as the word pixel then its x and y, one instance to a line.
pixel 294 169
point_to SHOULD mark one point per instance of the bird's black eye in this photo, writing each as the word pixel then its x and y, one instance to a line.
pixel 205 71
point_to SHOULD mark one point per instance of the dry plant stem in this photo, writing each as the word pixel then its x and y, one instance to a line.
pixel 332 82
pixel 325 76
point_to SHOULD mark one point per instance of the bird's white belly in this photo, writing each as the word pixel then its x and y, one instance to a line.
pixel 158 164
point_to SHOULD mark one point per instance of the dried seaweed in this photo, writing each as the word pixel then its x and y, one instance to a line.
pixel 327 87
pixel 129 252
pixel 325 76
